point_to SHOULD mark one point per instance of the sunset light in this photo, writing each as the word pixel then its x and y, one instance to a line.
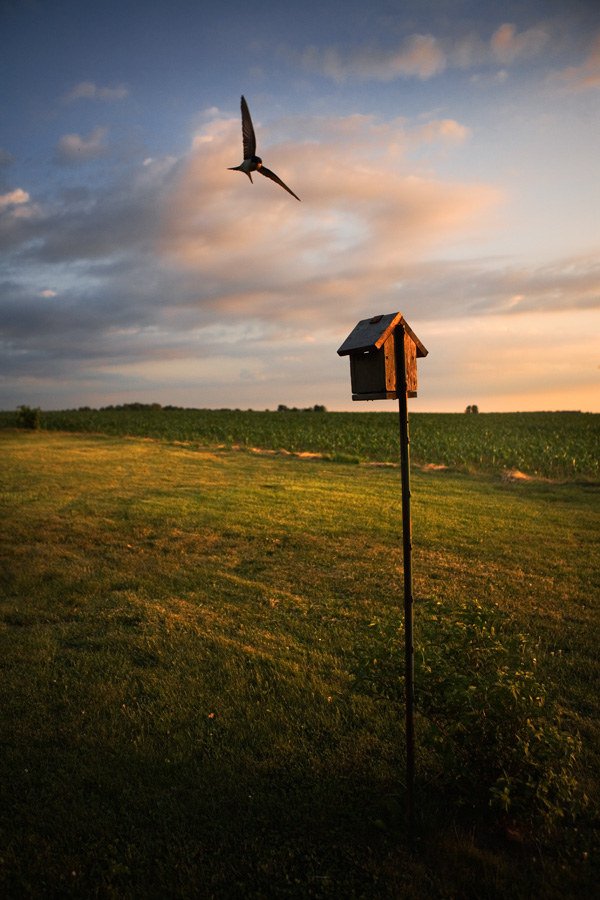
pixel 447 168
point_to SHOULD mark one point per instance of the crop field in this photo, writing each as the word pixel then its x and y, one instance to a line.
pixel 201 657
pixel 548 445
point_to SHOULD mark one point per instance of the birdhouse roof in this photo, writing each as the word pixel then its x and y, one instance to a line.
pixel 371 334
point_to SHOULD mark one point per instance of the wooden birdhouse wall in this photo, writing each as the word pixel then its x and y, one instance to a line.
pixel 374 371
pixel 373 363
pixel 410 356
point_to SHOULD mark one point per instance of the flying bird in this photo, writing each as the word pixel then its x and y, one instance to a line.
pixel 252 162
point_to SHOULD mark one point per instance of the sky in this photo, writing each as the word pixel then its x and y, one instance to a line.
pixel 445 153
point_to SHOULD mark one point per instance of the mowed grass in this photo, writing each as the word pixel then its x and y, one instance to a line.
pixel 176 632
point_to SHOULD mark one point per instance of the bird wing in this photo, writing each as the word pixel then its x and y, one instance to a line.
pixel 248 132
pixel 268 174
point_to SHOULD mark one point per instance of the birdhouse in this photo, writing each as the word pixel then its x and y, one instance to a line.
pixel 374 358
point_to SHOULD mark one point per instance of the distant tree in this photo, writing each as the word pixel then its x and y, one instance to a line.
pixel 28 417
pixel 472 409
pixel 137 406
pixel 316 408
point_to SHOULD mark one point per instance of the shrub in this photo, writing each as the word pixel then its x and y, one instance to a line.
pixel 495 736
pixel 28 417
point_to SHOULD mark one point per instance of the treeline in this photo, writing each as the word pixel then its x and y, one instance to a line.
pixel 138 407
pixel 316 408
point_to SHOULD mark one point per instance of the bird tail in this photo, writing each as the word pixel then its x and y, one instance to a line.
pixel 239 169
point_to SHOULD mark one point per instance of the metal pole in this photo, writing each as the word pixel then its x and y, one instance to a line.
pixel 402 390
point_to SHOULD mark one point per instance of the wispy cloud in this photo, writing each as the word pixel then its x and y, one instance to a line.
pixel 421 56
pixel 87 90
pixel 445 131
pixel 73 148
pixel 508 45
pixel 585 76
pixel 482 288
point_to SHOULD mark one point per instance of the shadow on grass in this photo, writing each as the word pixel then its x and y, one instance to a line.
pixel 123 826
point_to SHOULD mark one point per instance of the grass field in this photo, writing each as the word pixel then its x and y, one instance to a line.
pixel 177 630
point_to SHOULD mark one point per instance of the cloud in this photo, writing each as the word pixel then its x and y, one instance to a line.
pixel 182 273
pixel 118 223
pixel 568 284
pixel 171 244
pixel 87 90
pixel 182 259
pixel 14 198
pixel 17 214
pixel 482 288
pixel 586 76
pixel 508 46
pixel 361 225
pixel 73 148
pixel 421 56
pixel 418 56
pixel 445 131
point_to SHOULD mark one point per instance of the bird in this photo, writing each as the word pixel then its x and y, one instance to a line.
pixel 252 162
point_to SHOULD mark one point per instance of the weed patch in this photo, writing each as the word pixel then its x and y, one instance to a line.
pixel 494 735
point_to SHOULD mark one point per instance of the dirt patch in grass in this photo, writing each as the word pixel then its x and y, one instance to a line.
pixel 510 475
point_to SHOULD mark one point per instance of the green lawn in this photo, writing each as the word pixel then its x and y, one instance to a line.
pixel 177 628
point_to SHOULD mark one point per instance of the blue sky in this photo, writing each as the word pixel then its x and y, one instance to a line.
pixel 445 154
